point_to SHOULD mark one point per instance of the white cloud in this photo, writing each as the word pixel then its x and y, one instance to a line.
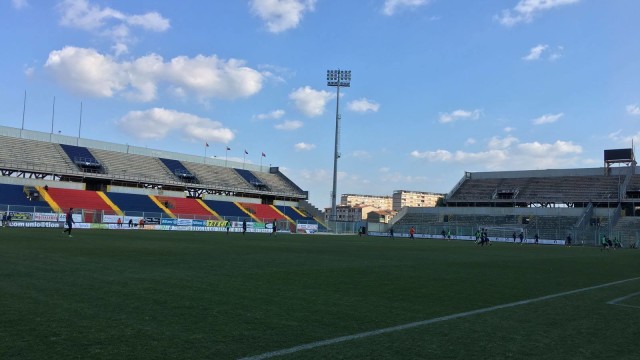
pixel 509 154
pixel 509 129
pixel 281 15
pixel 19 4
pixel 105 21
pixel 157 123
pixel 275 114
pixel 547 119
pixel 626 139
pixel 363 105
pixel 470 141
pixel 361 154
pixel 535 52
pixel 526 10
pixel 88 72
pixel 460 114
pixel 29 71
pixel 309 101
pixel 501 143
pixel 289 125
pixel 392 6
pixel 633 109
pixel 301 146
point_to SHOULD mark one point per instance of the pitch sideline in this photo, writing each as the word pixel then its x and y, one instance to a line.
pixel 366 334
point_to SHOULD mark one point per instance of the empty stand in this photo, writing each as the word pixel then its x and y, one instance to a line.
pixel 83 158
pixel 78 199
pixel 134 166
pixel 34 156
pixel 249 177
pixel 218 176
pixel 226 209
pixel 134 202
pixel 263 212
pixel 177 169
pixel 17 195
pixel 186 207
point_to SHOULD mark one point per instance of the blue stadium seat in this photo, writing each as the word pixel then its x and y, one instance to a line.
pixel 82 157
pixel 133 202
pixel 15 195
pixel 225 208
pixel 179 170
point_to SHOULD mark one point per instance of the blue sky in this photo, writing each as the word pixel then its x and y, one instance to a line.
pixel 439 87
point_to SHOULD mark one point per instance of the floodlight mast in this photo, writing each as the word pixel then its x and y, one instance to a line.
pixel 338 78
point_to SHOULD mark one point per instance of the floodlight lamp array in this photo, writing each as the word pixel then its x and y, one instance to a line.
pixel 338 77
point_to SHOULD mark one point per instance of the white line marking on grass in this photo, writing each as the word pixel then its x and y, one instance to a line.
pixel 366 334
pixel 618 300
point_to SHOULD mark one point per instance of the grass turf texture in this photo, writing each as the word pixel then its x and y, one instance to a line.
pixel 161 295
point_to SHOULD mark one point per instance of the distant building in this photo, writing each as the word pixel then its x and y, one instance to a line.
pixel 350 213
pixel 381 216
pixel 378 202
pixel 404 198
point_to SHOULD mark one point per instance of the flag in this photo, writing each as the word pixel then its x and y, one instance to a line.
pixel 246 153
pixel 206 144
pixel 263 155
pixel 228 148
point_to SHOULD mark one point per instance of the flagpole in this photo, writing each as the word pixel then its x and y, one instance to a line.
pixel 80 125
pixel 244 159
pixel 226 155
pixel 204 159
pixel 53 115
pixel 24 109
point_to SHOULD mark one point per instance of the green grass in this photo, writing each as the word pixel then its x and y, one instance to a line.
pixel 174 295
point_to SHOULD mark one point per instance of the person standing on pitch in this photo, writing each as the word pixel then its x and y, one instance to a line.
pixel 274 229
pixel 244 226
pixel 412 231
pixel 228 226
pixel 69 221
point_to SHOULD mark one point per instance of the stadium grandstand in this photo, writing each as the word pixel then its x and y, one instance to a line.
pixel 42 175
pixel 584 204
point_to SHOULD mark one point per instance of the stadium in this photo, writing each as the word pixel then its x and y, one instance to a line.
pixel 201 288
pixel 108 183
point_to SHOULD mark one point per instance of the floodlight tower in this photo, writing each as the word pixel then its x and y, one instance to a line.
pixel 338 78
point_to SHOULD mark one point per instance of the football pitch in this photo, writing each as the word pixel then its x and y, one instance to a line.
pixel 106 294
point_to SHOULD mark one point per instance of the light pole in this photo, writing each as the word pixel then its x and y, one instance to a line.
pixel 337 78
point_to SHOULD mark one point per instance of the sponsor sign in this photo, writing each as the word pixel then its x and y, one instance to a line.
pixel 307 228
pixel 168 221
pixel 151 221
pixel 76 217
pixel 217 223
pixel 198 223
pixel 185 222
pixel 45 217
pixel 35 224
pixel 20 216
